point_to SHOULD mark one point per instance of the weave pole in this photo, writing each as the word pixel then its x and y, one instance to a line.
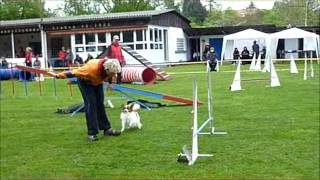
pixel 25 83
pixel 40 88
pixel 210 119
pixel 70 88
pixel 192 156
pixel 12 81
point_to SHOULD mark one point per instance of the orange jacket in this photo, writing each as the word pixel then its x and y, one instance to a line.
pixel 93 72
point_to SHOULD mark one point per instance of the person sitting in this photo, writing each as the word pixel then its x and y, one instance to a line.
pixel 78 60
pixel 245 54
pixel 212 58
pixel 37 63
pixel 88 58
pixel 236 55
pixel 4 63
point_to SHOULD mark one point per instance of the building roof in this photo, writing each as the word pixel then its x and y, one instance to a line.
pixel 109 16
pixel 225 30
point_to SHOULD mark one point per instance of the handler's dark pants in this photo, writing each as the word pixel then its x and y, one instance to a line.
pixel 93 98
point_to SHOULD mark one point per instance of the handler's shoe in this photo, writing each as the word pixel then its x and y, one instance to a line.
pixel 111 132
pixel 92 138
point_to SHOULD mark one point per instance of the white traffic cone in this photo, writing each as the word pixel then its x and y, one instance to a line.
pixel 266 67
pixel 253 63
pixel 293 66
pixel 305 67
pixel 258 64
pixel 236 84
pixel 274 81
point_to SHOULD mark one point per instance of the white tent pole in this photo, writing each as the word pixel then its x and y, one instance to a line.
pixel 311 66
pixel 12 46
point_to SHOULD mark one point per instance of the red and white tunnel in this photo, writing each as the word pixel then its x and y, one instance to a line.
pixel 138 74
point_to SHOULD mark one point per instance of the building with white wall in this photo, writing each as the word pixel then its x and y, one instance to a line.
pixel 156 35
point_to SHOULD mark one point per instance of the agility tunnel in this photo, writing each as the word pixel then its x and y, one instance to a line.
pixel 6 74
pixel 138 74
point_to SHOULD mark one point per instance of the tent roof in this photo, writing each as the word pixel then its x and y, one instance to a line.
pixel 246 34
pixel 293 33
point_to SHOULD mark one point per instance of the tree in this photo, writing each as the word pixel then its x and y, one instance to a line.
pixel 294 12
pixel 21 9
pixel 131 5
pixel 222 18
pixel 81 7
pixel 195 10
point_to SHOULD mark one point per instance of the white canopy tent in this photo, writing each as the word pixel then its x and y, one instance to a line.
pixel 311 41
pixel 241 39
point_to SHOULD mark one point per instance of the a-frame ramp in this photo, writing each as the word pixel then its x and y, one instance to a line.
pixel 161 73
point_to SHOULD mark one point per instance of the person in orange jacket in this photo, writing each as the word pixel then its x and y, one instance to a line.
pixel 90 80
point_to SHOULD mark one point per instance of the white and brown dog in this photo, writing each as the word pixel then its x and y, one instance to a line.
pixel 130 117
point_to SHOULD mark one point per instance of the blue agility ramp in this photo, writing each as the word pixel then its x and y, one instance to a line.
pixel 152 95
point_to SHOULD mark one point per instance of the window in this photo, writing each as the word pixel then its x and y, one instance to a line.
pixel 156 35
pixel 139 46
pixel 91 49
pixel 180 44
pixel 145 35
pixel 79 49
pixel 127 36
pixel 139 35
pixel 90 38
pixel 151 34
pixel 79 39
pixel 160 35
pixel 101 38
pixel 102 48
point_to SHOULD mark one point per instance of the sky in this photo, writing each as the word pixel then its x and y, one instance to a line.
pixel 224 4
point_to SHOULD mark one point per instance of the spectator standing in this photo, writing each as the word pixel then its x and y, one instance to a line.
pixel 68 58
pixel 61 56
pixel 114 52
pixel 255 49
pixel 205 52
pixel 21 53
pixel 28 62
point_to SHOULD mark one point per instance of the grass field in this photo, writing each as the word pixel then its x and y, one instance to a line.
pixel 273 133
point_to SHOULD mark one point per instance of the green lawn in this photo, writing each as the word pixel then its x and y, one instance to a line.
pixel 273 133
